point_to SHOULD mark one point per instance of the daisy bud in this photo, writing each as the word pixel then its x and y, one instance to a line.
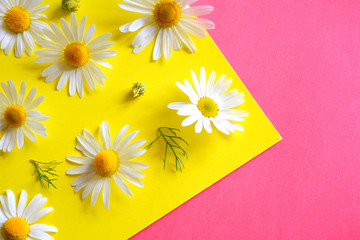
pixel 70 5
pixel 138 89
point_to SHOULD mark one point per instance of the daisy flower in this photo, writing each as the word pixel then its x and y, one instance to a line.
pixel 112 160
pixel 19 25
pixel 18 117
pixel 75 55
pixel 170 21
pixel 16 223
pixel 209 103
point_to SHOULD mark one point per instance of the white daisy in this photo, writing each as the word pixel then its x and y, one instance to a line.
pixel 169 20
pixel 112 160
pixel 19 25
pixel 209 103
pixel 75 55
pixel 18 117
pixel 16 223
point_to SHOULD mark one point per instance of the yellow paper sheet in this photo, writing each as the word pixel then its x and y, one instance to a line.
pixel 211 156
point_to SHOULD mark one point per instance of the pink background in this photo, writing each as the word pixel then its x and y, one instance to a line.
pixel 301 61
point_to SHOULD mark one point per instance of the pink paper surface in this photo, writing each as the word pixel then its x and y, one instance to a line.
pixel 301 62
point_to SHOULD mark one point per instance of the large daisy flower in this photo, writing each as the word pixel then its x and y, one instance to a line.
pixel 19 25
pixel 112 160
pixel 18 117
pixel 169 20
pixel 17 223
pixel 209 103
pixel 75 55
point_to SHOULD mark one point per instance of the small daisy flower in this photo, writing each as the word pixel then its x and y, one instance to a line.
pixel 75 55
pixel 101 164
pixel 18 117
pixel 19 26
pixel 17 223
pixel 169 21
pixel 209 103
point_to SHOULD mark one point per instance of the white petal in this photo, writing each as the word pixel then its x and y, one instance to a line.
pixel 92 140
pixel 122 185
pixel 90 186
pixel 196 84
pixel 134 8
pixel 207 125
pixel 203 23
pixel 130 137
pixel 19 137
pixel 66 30
pixel 157 52
pixel 185 38
pixel 135 165
pixel 63 79
pixel 80 170
pixel 20 45
pixel 5 206
pixel 199 125
pixel 11 202
pixel 81 29
pixel 193 29
pixel 59 34
pixel 100 39
pixel 43 228
pixel 96 191
pixel 40 235
pixel 72 83
pixel 32 205
pixel 73 26
pixel 79 82
pixel 133 146
pixel 36 103
pixel 128 172
pixel 119 136
pixel 82 181
pixel 144 37
pixel 21 93
pixel 189 120
pixel 29 133
pixel 198 10
pixel 39 214
pixel 106 193
pixel 133 180
pixel 80 160
pixel 140 22
pixel 105 135
pixel 89 34
pixel 132 154
pixel 22 203
pixel 167 42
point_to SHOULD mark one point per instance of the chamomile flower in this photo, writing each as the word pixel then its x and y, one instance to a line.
pixel 111 161
pixel 210 104
pixel 75 55
pixel 19 25
pixel 169 21
pixel 18 117
pixel 17 223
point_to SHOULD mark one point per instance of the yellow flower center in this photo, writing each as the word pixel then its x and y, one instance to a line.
pixel 208 107
pixel 15 115
pixel 167 13
pixel 76 54
pixel 17 19
pixel 106 163
pixel 15 228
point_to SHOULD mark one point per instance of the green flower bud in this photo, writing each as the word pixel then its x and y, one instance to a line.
pixel 138 89
pixel 70 5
